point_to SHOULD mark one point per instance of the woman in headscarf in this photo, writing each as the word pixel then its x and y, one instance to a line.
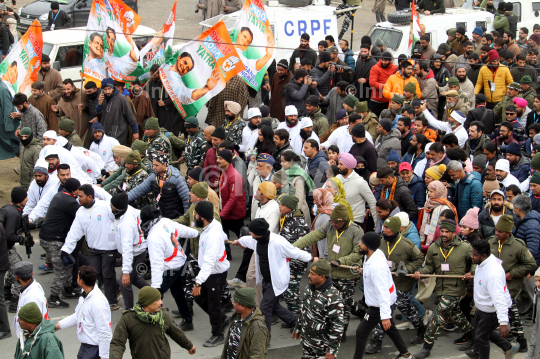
pixel 361 168
pixel 335 187
pixel 299 179
pixel 436 202
pixel 324 200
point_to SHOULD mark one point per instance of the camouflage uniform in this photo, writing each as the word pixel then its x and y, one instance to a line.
pixel 62 274
pixel 321 321
pixel 516 326
pixel 177 146
pixel 160 144
pixel 234 129
pixel 131 181
pixel 529 96
pixel 294 227
pixel 14 258
pixel 148 165
pixel 346 288
pixel 194 153
pixel 448 311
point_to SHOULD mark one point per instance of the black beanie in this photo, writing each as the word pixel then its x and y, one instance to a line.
pixel 120 201
pixel 265 110
pixel 258 226
pixel 55 5
pixel 149 213
pixel 226 155
pixel 359 131
pixel 219 132
pixel 196 174
pixel 371 240
pixel 325 57
pixel 72 184
pixel 313 101
pixel 18 194
pixel 366 40
pixel 205 209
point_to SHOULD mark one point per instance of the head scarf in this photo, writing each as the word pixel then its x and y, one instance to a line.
pixel 432 210
pixel 340 195
pixel 295 171
pixel 323 199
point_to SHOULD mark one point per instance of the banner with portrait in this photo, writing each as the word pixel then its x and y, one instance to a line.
pixel 254 42
pixel 20 67
pixel 200 69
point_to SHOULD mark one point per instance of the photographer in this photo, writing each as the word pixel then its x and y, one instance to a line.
pixel 299 89
pixel 343 71
pixel 324 73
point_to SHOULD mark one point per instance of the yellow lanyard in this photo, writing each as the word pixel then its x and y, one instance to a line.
pixel 339 235
pixel 134 174
pixel 394 247
pixel 281 222
pixel 500 248
pixel 446 257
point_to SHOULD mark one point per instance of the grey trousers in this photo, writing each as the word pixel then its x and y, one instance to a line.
pixel 135 279
pixel 270 306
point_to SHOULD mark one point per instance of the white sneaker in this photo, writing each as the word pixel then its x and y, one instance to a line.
pixel 237 283
pixel 405 326
pixel 427 317
pixel 512 352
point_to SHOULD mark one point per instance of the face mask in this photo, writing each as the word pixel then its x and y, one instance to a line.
pixel 92 96
pixel 119 214
pixel 27 141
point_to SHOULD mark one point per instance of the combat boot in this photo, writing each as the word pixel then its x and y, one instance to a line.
pixel 425 352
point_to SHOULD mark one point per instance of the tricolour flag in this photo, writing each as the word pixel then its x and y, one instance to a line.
pixel 416 31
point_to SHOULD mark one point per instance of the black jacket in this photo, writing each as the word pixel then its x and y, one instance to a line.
pixel 4 38
pixel 323 77
pixel 362 71
pixel 277 154
pixel 302 54
pixel 170 203
pixel 441 76
pixel 296 94
pixel 486 224
pixel 4 260
pixel 12 223
pixel 532 117
pixel 478 115
pixel 59 219
pixel 368 151
pixel 403 197
pixel 61 20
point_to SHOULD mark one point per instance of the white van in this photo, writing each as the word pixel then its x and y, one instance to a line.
pixel 65 48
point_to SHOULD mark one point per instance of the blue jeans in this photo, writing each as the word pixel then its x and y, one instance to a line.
pixel 174 280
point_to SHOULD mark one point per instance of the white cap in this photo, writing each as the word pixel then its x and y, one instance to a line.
pixel 41 166
pixel 403 217
pixel 49 150
pixel 291 110
pixel 497 191
pixel 61 141
pixel 503 165
pixel 456 115
pixel 254 112
pixel 50 134
pixel 428 145
pixel 306 122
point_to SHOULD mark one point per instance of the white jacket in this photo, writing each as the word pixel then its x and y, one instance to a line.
pixel 249 138
pixel 379 288
pixel 35 193
pixel 104 149
pixel 343 139
pixel 212 254
pixel 270 212
pixel 279 253
pixel 292 131
pixel 164 250
pixel 92 318
pixel 490 291
pixel 129 238
pixel 33 293
pixel 510 180
pixel 357 193
pixel 460 131
pixel 96 224
pixel 87 162
pixel 65 156
pixel 297 143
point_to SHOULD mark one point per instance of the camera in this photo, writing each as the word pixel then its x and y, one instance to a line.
pixel 519 132
pixel 313 79
pixel 344 68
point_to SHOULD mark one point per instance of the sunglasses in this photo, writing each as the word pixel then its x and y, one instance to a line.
pixel 510 113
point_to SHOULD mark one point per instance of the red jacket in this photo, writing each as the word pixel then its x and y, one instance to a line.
pixel 377 78
pixel 211 168
pixel 231 194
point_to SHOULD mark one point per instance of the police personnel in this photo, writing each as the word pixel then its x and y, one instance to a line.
pixel 158 143
pixel 195 145
pixel 322 319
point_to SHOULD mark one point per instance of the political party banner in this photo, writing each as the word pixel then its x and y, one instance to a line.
pixel 20 67
pixel 156 48
pixel 200 69
pixel 109 50
pixel 254 42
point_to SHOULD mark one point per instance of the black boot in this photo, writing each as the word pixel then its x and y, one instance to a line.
pixel 470 341
pixel 425 352
pixel 55 302
pixel 7 293
pixel 374 346
pixel 358 310
pixel 344 336
pixel 15 301
pixel 522 345
pixel 419 335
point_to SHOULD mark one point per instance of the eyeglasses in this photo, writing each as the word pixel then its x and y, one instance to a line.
pixel 510 113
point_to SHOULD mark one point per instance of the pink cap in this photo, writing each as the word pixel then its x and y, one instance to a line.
pixel 405 166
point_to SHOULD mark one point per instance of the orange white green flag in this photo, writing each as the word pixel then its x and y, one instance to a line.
pixel 416 31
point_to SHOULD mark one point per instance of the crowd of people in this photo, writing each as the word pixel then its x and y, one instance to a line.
pixel 422 187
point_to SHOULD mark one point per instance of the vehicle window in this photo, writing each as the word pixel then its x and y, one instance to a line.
pixel 70 56
pixel 481 23
pixel 536 6
pixel 390 37
pixel 517 10
pixel 461 24
pixel 47 48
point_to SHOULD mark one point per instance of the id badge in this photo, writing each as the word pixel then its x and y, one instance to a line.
pixel 79 327
pixel 158 197
pixel 390 264
pixel 492 88
pixel 124 186
pixel 336 248
pixel 192 224
pixel 500 261
pixel 52 27
pixel 445 267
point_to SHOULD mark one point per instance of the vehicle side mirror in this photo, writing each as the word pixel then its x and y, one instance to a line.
pixel 81 5
pixel 56 66
pixel 536 13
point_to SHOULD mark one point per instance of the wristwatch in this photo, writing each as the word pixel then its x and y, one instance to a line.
pixel 197 285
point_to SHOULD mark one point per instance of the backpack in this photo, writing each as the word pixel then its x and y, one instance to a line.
pixel 10 35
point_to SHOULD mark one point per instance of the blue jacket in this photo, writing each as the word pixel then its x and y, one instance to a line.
pixel 522 169
pixel 349 59
pixel 174 176
pixel 527 230
pixel 528 148
pixel 535 202
pixel 407 157
pixel 418 191
pixel 316 168
pixel 413 235
pixel 471 193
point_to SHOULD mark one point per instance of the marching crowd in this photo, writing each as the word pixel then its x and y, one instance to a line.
pixel 423 185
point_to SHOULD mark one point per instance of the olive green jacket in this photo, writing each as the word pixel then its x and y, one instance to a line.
pixel 254 339
pixel 403 251
pixel 188 219
pixel 114 180
pixel 459 262
pixel 146 339
pixel 74 139
pixel 320 122
pixel 348 244
pixel 28 158
pixel 517 260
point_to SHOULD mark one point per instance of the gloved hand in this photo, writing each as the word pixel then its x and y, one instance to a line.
pixel 244 231
pixel 402 272
pixel 22 240
pixel 335 263
pixel 66 258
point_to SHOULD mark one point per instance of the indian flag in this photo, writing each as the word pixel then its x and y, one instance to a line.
pixel 416 31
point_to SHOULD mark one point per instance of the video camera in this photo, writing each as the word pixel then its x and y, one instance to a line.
pixel 344 68
pixel 26 238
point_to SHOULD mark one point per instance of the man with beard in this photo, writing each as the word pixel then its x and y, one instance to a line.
pixel 162 105
pixel 459 263
pixel 396 83
pixel 73 106
pixel 475 64
pixel 320 122
pixel 51 78
pixel 302 52
pixel 116 114
pixel 477 140
pixel 459 43
pixel 306 133
pixel 281 78
pixel 508 38
pixel 519 165
pixel 502 171
pixel 428 85
pixel 404 126
pixel 533 56
pixel 334 103
pixel 534 115
pixel 142 104
pixel 481 114
pixel 158 143
pixel 29 116
pixel 291 123
pixel 102 145
pixel 464 58
pixel 528 92
pixel 298 90
pixel 494 79
pixel 324 72
pixel 342 137
pixel 477 40
pixel 210 160
pixel 28 156
pixel 250 132
pixel 427 50
pixel 91 94
pixel 41 101
pixel 535 191
pixel 364 63
pixel 234 124
pixel 465 86
pixel 415 154
pixel 484 51
pixel 455 102
pixel 40 186
pixel 521 41
pixel 378 77
pixel 388 139
pixel 369 119
pixel 522 70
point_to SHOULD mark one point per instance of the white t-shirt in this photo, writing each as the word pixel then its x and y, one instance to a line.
pixel 123 65
pixel 176 83
pixel 496 218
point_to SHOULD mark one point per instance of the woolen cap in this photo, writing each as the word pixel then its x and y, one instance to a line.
pixel 226 155
pixel 398 99
pixel 480 161
pixel 350 101
pixel 149 213
pixel 490 186
pixel 514 149
pixel 371 240
pixel 200 190
pixel 410 87
pixel 196 173
pixel 448 224
pixel 290 201
pixel 361 107
pixel 23 269
pixel 280 177
pixel 321 267
pixel 453 81
pixel 525 80
pixel 96 126
pixel 404 218
pixel 246 297
pixel 393 156
pixel 493 55
pixel 205 209
pixel 535 178
pixel 66 124
pixel 219 132
pixel 26 131
pixel 324 57
pixel 18 194
pixel 471 218
pixel 71 185
pixel 148 295
pixel 55 5
pixel 151 124
pixel 313 101
pixel 386 123
pixel 41 166
pixel 258 226
pixel 393 223
pixel 31 314
pixel 133 158
pixel 140 146
pixel 460 30
pixel 436 172
pixel 191 122
pixel 535 162
pixel 505 224
pixel 502 165
pixel 340 213
pixel 358 131
pixel 120 201
pixel 268 189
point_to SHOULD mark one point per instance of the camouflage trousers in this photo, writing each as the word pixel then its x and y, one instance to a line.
pixel 309 351
pixel 348 18
pixel 346 287
pixel 292 294
pixel 516 326
pixel 406 307
pixel 11 281
pixel 62 274
pixel 190 272
pixel 448 311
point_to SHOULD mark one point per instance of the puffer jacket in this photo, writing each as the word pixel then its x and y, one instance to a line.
pixel 316 167
pixel 254 337
pixel 28 157
pixel 395 85
pixel 412 233
pixel 349 59
pixel 522 169
pixel 385 144
pixel 41 344
pixel 526 229
pixel 232 195
pixel 502 78
pixel 418 191
pixel 442 75
pixel 459 262
pixel 471 193
pixel 377 80
pixel 486 224
pixel 324 76
pixel 403 197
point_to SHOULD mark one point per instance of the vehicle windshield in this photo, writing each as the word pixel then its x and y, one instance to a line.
pixel 47 48
pixel 390 37
pixel 60 1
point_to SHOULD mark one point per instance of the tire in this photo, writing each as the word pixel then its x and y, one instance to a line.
pixel 400 17
pixel 295 3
